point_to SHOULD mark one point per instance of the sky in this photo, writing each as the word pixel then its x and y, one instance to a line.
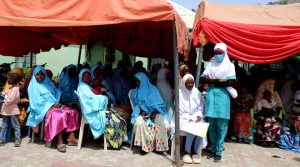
pixel 192 4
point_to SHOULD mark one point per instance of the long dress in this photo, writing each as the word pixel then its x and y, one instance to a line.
pixel 190 107
pixel 42 96
pixel 217 109
pixel 150 133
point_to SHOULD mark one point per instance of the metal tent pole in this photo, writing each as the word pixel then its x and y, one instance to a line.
pixel 199 67
pixel 79 55
pixel 31 59
pixel 176 87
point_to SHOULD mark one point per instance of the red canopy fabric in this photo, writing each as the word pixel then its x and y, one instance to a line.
pixel 254 33
pixel 252 43
pixel 136 27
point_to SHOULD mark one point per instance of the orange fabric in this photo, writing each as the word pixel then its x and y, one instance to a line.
pixel 58 13
pixel 142 27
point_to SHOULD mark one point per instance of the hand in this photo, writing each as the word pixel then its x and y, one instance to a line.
pixel 222 80
pixel 143 114
pixel 57 105
pixel 198 119
pixel 152 115
pixel 207 77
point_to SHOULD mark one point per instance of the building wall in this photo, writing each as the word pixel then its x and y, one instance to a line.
pixel 7 59
pixel 97 54
pixel 57 59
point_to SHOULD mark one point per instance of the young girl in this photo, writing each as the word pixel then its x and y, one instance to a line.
pixel 190 110
pixel 10 110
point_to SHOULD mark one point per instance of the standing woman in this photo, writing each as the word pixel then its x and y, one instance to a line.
pixel 219 74
pixel 190 111
pixel 184 69
pixel 44 103
pixel 149 116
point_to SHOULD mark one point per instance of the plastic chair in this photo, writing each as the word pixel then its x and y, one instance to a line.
pixel 42 124
pixel 82 124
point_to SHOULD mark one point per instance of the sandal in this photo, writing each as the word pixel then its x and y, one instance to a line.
pixel 62 148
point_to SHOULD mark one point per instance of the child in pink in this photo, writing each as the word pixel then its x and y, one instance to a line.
pixel 10 110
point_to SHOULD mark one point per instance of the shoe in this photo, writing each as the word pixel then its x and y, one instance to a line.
pixel 48 144
pixel 2 143
pixel 210 155
pixel 196 159
pixel 187 159
pixel 17 144
pixel 217 158
pixel 61 148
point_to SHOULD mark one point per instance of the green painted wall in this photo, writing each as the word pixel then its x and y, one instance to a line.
pixel 7 59
pixel 97 54
pixel 57 59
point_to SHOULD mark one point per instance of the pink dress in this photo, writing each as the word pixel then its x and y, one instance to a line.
pixel 10 106
pixel 59 119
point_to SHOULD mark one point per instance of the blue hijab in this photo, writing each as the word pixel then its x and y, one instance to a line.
pixel 93 106
pixel 93 69
pixel 68 84
pixel 147 98
pixel 42 95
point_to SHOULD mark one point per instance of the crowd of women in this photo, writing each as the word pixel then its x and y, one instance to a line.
pixel 129 99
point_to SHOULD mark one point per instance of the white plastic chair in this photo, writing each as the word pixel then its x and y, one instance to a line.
pixel 41 132
pixel 82 124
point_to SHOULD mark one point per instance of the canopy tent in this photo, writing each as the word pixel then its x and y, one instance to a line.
pixel 255 34
pixel 135 27
pixel 143 28
pixel 186 14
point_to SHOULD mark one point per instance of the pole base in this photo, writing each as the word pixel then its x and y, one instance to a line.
pixel 177 164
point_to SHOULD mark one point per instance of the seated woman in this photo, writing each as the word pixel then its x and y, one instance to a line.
pixel 294 119
pixel 94 109
pixel 149 117
pixel 268 121
pixel 190 108
pixel 99 85
pixel 68 82
pixel 44 103
pixel 242 123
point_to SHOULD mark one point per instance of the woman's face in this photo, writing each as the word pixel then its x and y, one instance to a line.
pixel 186 70
pixel 137 82
pixel 97 72
pixel 86 77
pixel 189 84
pixel 40 77
pixel 72 72
pixel 10 79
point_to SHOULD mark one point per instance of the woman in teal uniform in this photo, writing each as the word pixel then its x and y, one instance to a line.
pixel 220 75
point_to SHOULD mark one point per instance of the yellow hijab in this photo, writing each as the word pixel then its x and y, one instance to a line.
pixel 16 70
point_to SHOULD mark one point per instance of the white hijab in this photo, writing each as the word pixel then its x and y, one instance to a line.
pixel 190 103
pixel 165 90
pixel 222 70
